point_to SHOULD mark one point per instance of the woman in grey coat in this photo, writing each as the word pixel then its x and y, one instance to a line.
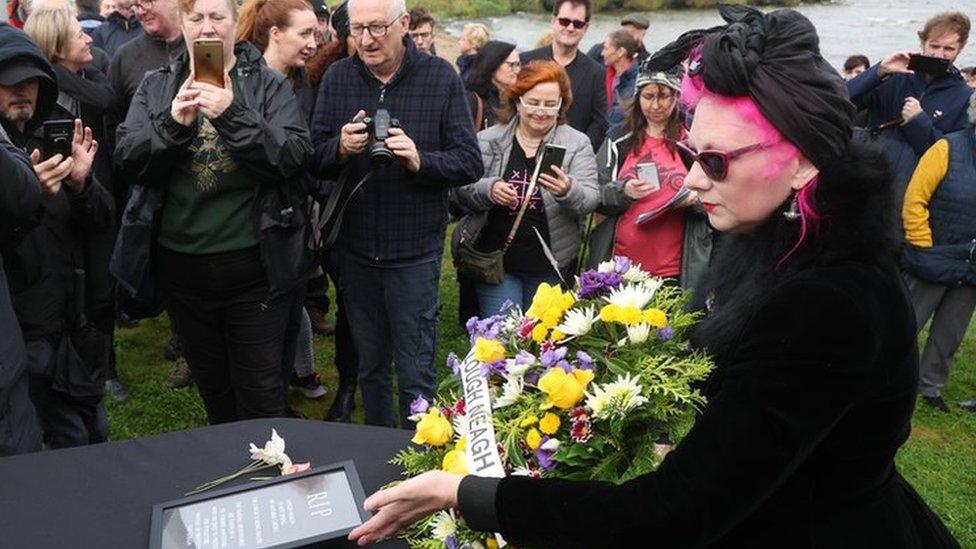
pixel 533 115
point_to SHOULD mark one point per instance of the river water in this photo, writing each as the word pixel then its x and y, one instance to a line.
pixel 874 28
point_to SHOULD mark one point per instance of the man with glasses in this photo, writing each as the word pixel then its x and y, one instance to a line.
pixel 422 30
pixel 588 113
pixel 387 257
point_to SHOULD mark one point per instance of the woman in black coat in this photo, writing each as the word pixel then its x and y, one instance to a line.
pixel 808 323
pixel 219 214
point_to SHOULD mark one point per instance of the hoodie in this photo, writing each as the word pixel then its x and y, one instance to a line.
pixel 17 47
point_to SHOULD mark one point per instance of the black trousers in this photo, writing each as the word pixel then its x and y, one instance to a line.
pixel 233 333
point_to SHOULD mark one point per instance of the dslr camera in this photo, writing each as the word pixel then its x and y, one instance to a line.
pixel 379 126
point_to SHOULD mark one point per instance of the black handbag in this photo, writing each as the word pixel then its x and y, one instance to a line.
pixel 489 267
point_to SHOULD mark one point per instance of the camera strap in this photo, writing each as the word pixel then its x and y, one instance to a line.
pixel 329 222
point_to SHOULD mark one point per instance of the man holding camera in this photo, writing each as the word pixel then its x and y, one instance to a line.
pixel 908 111
pixel 387 257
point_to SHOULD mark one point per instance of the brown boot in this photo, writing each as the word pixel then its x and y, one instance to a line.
pixel 320 325
pixel 180 377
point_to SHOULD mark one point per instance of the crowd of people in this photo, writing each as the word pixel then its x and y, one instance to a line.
pixel 334 149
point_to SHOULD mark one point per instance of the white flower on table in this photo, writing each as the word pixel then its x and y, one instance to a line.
pixel 638 333
pixel 511 391
pixel 444 526
pixel 634 295
pixel 273 453
pixel 578 321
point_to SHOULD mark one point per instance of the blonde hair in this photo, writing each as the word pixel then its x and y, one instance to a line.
pixel 50 29
pixel 477 34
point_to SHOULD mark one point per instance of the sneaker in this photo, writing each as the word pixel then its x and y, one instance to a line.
pixel 180 377
pixel 969 405
pixel 320 325
pixel 173 349
pixel 936 402
pixel 115 389
pixel 309 386
pixel 125 322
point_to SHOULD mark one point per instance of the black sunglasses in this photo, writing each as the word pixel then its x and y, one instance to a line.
pixel 715 163
pixel 576 23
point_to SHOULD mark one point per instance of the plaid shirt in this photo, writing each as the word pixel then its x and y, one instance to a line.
pixel 397 215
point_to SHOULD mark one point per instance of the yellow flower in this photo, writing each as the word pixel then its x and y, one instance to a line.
pixel 656 318
pixel 549 304
pixel 462 444
pixel 549 423
pixel 557 335
pixel 630 316
pixel 610 313
pixel 454 462
pixel 487 351
pixel 539 333
pixel 433 429
pixel 490 543
pixel 564 390
pixel 531 420
pixel 533 439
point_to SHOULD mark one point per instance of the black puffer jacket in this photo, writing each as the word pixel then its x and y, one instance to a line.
pixel 264 129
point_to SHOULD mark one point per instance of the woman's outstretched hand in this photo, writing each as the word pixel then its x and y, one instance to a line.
pixel 395 509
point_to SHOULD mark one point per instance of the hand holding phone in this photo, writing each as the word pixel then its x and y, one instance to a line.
pixel 549 173
pixel 934 66
pixel 648 172
pixel 58 135
pixel 208 61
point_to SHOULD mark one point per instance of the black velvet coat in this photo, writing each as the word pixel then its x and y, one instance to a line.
pixel 812 397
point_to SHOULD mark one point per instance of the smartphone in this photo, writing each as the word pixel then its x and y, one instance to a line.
pixel 936 66
pixel 208 61
pixel 58 135
pixel 552 155
pixel 648 172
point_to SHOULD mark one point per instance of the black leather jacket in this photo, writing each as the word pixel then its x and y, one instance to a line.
pixel 264 129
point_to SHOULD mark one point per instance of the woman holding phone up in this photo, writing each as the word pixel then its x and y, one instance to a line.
pixel 641 174
pixel 533 115
pixel 219 214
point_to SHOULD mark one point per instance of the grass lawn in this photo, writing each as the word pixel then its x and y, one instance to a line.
pixel 939 459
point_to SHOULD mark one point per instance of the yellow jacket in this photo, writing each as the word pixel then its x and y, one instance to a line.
pixel 929 173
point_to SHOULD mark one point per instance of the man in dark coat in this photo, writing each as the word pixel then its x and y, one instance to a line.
pixel 908 112
pixel 20 211
pixel 588 113
pixel 66 357
pixel 119 27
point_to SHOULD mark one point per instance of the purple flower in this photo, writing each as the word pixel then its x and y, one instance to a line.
pixel 419 405
pixel 451 542
pixel 622 264
pixel 524 357
pixel 531 377
pixel 545 456
pixel 666 333
pixel 488 328
pixel 555 357
pixel 506 305
pixel 496 368
pixel 585 361
pixel 592 283
pixel 454 363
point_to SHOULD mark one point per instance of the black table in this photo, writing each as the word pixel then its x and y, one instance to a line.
pixel 102 496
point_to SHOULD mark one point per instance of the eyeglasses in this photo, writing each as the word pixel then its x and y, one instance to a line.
pixel 566 21
pixel 543 108
pixel 144 5
pixel 514 65
pixel 376 30
pixel 714 163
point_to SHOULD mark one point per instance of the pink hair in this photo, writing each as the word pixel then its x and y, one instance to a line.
pixel 693 91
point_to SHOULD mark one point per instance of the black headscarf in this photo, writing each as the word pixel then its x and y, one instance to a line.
pixel 775 59
pixel 489 58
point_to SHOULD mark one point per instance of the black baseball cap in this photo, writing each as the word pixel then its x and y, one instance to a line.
pixel 16 71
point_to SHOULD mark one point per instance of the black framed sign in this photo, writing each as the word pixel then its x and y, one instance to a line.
pixel 297 510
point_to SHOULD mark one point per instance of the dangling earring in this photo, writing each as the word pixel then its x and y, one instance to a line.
pixel 793 212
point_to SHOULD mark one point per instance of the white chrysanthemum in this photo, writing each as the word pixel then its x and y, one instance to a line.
pixel 616 398
pixel 511 391
pixel 638 333
pixel 460 424
pixel 636 274
pixel 633 295
pixel 578 321
pixel 607 266
pixel 522 472
pixel 443 526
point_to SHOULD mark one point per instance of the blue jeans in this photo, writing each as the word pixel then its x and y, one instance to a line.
pixel 514 287
pixel 392 312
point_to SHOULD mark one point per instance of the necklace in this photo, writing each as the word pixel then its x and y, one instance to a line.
pixel 526 142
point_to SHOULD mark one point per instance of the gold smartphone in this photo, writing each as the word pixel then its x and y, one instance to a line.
pixel 208 61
